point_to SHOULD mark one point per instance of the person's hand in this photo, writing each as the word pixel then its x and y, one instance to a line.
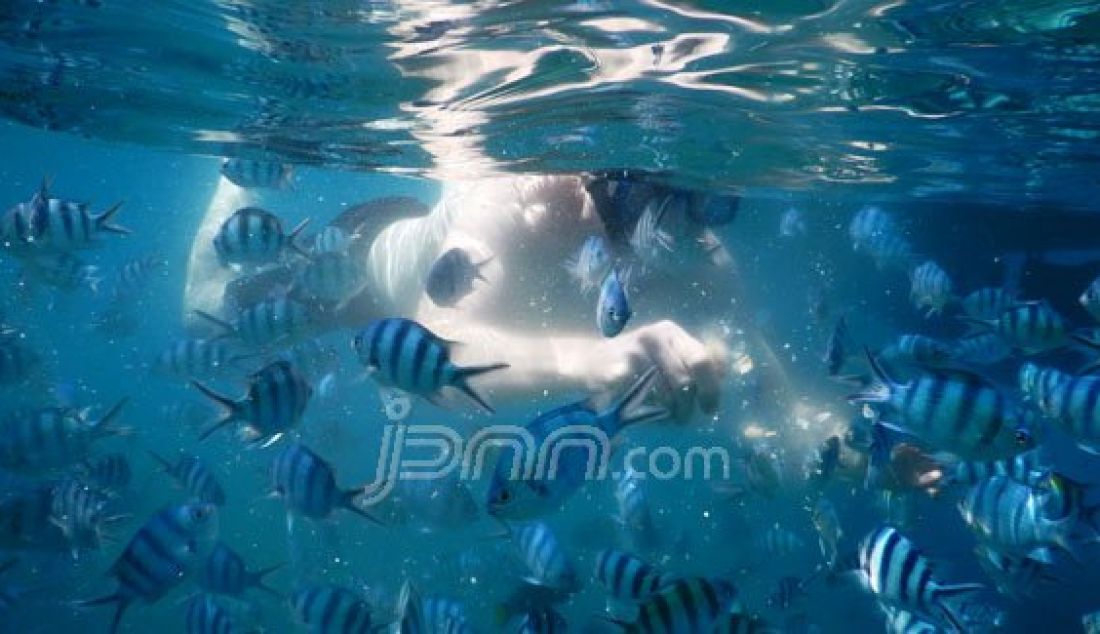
pixel 691 371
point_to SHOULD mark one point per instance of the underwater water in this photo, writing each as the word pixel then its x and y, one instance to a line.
pixel 644 316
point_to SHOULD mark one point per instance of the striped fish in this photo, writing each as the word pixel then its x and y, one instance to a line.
pixel 26 521
pixel 403 354
pixel 63 271
pixel 254 236
pixel 1013 576
pixel 931 288
pixel 196 357
pixel 1071 401
pixel 81 512
pixel 307 484
pixel 545 620
pixel 165 551
pixel 988 302
pixel 634 514
pixel 225 573
pixel 533 495
pixel 874 232
pixel 110 471
pixel 445 616
pixel 251 173
pixel 53 437
pixel 332 277
pixel 1031 327
pixel 548 565
pixel 270 321
pixel 62 225
pixel 626 577
pixel 779 542
pixel 410 612
pixel 1012 517
pixel 331 240
pixel 192 475
pixel 920 350
pixel 206 616
pixel 329 609
pixel 1025 467
pixel 688 606
pixel 899 621
pixel 981 349
pixel 955 410
pixel 17 362
pixel 275 402
pixel 135 275
pixel 900 576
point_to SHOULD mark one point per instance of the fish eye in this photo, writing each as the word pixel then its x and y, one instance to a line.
pixel 504 496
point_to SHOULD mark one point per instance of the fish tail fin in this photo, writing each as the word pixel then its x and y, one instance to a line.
pixel 349 503
pixel 227 403
pixel 630 409
pixel 220 323
pixel 292 238
pixel 120 601
pixel 103 425
pixel 463 375
pixel 103 221
pixel 256 579
pixel 478 266
pixel 946 610
pixel 881 386
pixel 161 461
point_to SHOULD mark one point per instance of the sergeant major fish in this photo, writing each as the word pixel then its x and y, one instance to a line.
pixel 193 475
pixel 1011 516
pixel 403 354
pixel 162 554
pixel 932 288
pixel 547 562
pixel 251 173
pixel 225 573
pixel 900 576
pixel 53 437
pixel 331 277
pixel 307 484
pixel 627 577
pixel 329 609
pixel 689 605
pixel 273 320
pixel 1031 327
pixel 988 302
pixel 254 236
pixel 275 402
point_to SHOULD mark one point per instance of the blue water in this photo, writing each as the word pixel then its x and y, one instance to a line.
pixel 972 124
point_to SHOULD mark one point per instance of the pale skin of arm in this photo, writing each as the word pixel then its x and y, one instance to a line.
pixel 531 315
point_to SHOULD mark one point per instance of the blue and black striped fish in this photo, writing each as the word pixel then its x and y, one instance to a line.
pixel 52 224
pixel 110 471
pixel 899 575
pixel 403 354
pixel 627 577
pixel 1013 517
pixel 134 276
pixel 1026 467
pixel 271 321
pixel 254 236
pixel 53 437
pixel 193 475
pixel 932 288
pixel 692 605
pixel 225 573
pixel 206 616
pixel 81 511
pixel 1030 327
pixel 275 402
pixel 635 517
pixel 547 562
pixel 329 609
pixel 983 348
pixel 331 277
pixel 988 302
pixel 523 496
pixel 307 484
pixel 919 350
pixel 164 552
pixel 196 357
pixel 1073 402
pixel 954 410
pixel 445 616
pixel 26 521
pixel 252 173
